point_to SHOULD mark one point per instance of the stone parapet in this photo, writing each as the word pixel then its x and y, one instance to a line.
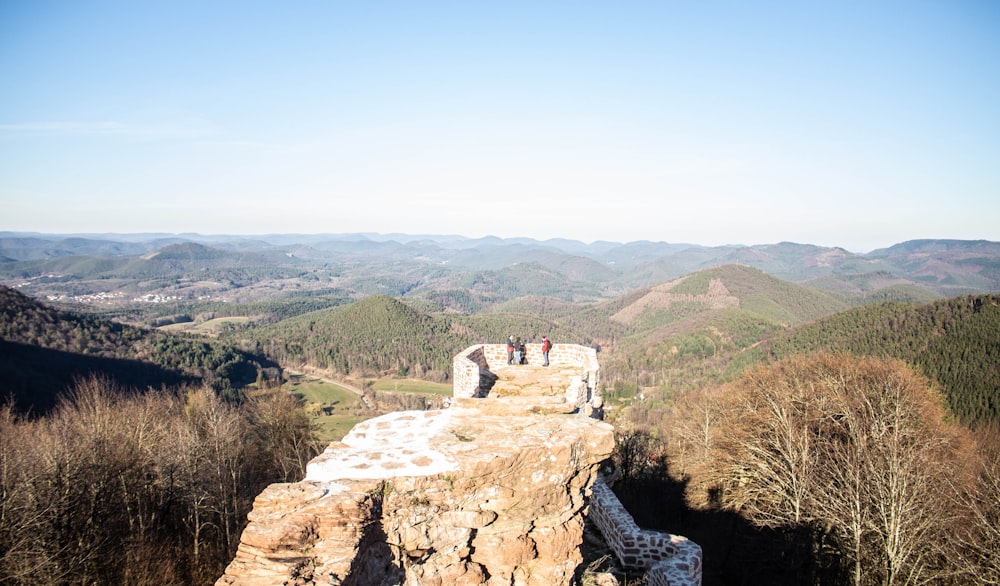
pixel 476 368
pixel 668 560
pixel 467 367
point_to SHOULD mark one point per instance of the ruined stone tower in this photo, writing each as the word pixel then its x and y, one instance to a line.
pixel 492 490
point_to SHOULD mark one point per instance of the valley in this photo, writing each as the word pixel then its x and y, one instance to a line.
pixel 291 341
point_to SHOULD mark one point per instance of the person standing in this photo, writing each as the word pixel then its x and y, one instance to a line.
pixel 517 351
pixel 523 351
pixel 546 346
pixel 510 350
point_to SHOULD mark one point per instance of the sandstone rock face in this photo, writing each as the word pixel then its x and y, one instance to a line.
pixel 489 491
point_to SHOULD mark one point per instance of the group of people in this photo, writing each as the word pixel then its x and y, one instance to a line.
pixel 518 354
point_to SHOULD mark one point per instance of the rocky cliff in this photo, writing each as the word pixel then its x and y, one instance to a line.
pixel 490 491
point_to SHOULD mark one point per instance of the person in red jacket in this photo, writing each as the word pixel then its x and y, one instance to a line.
pixel 546 346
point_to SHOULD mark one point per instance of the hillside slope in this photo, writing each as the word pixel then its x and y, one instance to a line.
pixel 955 342
pixel 678 331
pixel 383 336
pixel 950 267
pixel 45 350
pixel 728 286
pixel 375 335
pixel 682 334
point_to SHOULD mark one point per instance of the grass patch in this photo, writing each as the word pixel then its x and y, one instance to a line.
pixel 333 409
pixel 210 327
pixel 409 385
pixel 462 437
pixel 333 428
pixel 314 390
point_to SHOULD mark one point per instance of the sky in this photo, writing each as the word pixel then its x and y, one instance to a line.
pixel 839 123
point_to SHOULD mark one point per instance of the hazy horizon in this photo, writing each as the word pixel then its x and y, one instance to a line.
pixel 855 125
pixel 128 236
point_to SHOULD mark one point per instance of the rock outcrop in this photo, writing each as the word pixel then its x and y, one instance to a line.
pixel 490 491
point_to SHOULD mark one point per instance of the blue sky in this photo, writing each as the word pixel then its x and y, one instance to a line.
pixel 853 124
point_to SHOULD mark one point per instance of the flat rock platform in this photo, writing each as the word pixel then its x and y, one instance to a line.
pixel 533 380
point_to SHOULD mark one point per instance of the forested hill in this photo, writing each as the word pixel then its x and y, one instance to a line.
pixel 380 335
pixel 645 333
pixel 682 334
pixel 45 350
pixel 757 292
pixel 954 341
pixel 377 334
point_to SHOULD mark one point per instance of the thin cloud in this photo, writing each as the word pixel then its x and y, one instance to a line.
pixel 185 129
pixel 245 144
pixel 65 127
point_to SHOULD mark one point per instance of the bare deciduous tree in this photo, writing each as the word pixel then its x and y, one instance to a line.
pixel 767 458
pixel 118 488
pixel 694 428
pixel 857 449
pixel 978 537
pixel 285 433
pixel 634 454
pixel 886 462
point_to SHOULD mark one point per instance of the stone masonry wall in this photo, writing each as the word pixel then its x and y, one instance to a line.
pixel 560 355
pixel 473 366
pixel 669 560
pixel 466 370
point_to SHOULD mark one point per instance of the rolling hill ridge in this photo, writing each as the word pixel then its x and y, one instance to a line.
pixel 45 351
pixel 488 270
pixel 955 342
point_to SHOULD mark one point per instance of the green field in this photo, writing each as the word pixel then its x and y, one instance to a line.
pixel 333 428
pixel 336 409
pixel 412 386
pixel 333 408
pixel 206 328
pixel 314 390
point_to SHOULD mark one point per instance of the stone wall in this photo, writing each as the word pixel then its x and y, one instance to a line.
pixel 467 368
pixel 669 560
pixel 474 367
pixel 560 355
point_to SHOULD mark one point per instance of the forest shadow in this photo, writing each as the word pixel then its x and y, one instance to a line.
pixel 34 378
pixel 735 551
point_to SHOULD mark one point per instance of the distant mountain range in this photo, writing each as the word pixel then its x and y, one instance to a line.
pixel 470 274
